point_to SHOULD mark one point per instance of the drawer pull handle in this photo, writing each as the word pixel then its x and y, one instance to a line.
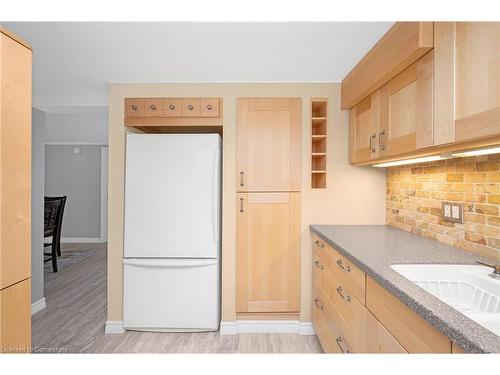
pixel 190 107
pixel 339 341
pixel 319 244
pixel 317 303
pixel 381 145
pixel 346 268
pixel 318 264
pixel 372 148
pixel 153 107
pixel 134 107
pixel 209 107
pixel 172 107
pixel 345 298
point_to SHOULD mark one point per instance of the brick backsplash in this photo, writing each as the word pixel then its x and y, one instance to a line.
pixel 415 194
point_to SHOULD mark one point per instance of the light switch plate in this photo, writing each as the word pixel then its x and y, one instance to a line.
pixel 453 212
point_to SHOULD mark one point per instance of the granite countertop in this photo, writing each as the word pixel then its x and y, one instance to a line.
pixel 374 248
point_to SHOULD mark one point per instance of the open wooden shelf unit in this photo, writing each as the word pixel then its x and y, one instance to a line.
pixel 319 125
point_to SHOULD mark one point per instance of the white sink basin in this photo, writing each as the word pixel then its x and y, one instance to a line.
pixel 466 288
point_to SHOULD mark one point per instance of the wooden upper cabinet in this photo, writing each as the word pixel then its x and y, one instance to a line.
pixel 364 129
pixel 174 114
pixel 406 110
pixel 467 81
pixel 401 46
pixel 15 158
pixel 269 144
pixel 268 252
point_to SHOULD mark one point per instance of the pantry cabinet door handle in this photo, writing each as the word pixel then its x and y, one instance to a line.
pixel 339 341
pixel 380 143
pixel 318 264
pixel 345 298
pixel 317 303
pixel 319 244
pixel 242 174
pixel 372 148
pixel 241 204
pixel 341 265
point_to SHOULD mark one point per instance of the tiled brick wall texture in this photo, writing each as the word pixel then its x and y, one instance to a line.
pixel 415 194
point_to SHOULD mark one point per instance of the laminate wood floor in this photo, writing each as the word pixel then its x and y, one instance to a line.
pixel 74 320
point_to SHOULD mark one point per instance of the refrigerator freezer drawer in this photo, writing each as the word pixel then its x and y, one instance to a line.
pixel 171 294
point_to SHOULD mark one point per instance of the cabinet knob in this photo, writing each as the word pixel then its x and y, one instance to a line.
pixel 134 107
pixel 190 107
pixel 209 107
pixel 153 107
pixel 172 107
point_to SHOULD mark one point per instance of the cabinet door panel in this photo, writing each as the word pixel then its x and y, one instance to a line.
pixel 364 123
pixel 477 75
pixel 15 317
pixel 269 152
pixel 268 250
pixel 379 340
pixel 15 158
pixel 406 109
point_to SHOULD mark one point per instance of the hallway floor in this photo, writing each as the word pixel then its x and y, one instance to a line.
pixel 74 320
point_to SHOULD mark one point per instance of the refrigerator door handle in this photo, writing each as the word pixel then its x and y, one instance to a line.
pixel 169 263
pixel 215 219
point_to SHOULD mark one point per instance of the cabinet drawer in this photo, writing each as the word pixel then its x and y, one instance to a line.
pixel 153 107
pixel 347 312
pixel 209 108
pixel 134 107
pixel 352 277
pixel 190 107
pixel 325 320
pixel 410 330
pixel 172 107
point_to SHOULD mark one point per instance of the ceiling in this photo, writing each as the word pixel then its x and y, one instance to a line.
pixel 74 61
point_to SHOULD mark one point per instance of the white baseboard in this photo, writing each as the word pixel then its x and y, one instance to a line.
pixel 266 326
pixel 38 306
pixel 306 329
pixel 114 327
pixel 228 328
pixel 81 240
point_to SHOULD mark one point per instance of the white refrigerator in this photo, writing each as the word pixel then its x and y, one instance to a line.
pixel 171 260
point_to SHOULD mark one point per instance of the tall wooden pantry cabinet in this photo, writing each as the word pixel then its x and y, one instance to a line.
pixel 268 205
pixel 15 194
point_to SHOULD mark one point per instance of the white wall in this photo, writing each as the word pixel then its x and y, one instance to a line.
pixel 77 176
pixel 37 191
pixel 80 128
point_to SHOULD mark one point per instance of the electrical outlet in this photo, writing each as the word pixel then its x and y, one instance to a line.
pixel 453 211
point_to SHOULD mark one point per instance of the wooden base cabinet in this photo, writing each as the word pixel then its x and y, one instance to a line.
pixel 268 252
pixel 378 339
pixel 354 314
pixel 15 312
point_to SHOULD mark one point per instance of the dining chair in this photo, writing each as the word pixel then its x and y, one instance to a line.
pixel 53 217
